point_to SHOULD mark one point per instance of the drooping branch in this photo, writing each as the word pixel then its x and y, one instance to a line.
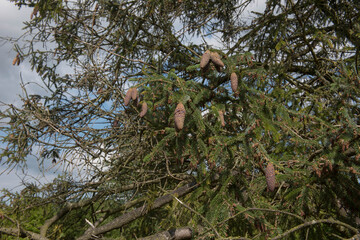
pixel 22 233
pixel 313 222
pixel 71 206
pixel 138 212
pixel 67 208
pixel 172 234
pixel 202 217
pixel 343 28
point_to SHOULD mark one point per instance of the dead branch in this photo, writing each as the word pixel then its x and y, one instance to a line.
pixel 16 232
pixel 172 234
pixel 138 212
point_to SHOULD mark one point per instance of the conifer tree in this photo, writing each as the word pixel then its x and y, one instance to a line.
pixel 253 138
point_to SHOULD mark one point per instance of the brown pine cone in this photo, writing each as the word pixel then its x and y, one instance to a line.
pixel 205 59
pixel 128 96
pixel 221 115
pixel 144 109
pixel 234 81
pixel 134 94
pixel 16 60
pixel 270 176
pixel 179 116
pixel 216 59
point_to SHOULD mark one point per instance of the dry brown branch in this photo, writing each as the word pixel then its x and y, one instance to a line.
pixel 138 212
pixel 67 208
pixel 22 233
pixel 172 234
pixel 313 222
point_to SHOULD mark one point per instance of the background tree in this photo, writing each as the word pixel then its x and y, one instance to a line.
pixel 271 153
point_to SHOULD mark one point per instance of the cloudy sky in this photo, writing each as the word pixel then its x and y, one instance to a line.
pixel 11 24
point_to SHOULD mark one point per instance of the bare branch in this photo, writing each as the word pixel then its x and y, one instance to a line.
pixel 23 233
pixel 313 222
pixel 138 212
pixel 172 234
pixel 68 207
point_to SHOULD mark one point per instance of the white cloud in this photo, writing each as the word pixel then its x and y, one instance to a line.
pixel 11 24
pixel 12 19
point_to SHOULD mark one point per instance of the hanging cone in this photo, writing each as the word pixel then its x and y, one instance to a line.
pixel 205 59
pixel 34 12
pixel 221 115
pixel 144 109
pixel 179 116
pixel 270 176
pixel 16 60
pixel 134 94
pixel 128 96
pixel 216 59
pixel 234 82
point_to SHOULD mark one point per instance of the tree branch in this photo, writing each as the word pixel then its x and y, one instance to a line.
pixel 68 207
pixel 341 26
pixel 172 234
pixel 71 206
pixel 313 222
pixel 22 233
pixel 201 216
pixel 138 212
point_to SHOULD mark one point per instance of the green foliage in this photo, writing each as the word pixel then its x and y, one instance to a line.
pixel 296 107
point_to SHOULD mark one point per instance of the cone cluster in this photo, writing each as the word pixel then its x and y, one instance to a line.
pixel 209 57
pixel 132 93
pixel 270 176
pixel 16 60
pixel 214 57
pixel 180 111
pixel 179 116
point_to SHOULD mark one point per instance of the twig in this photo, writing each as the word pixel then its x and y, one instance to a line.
pixel 201 216
pixel 88 222
pixel 313 222
pixel 177 233
pixel 261 209
pixel 355 237
pixel 168 169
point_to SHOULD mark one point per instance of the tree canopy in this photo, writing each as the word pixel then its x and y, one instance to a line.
pixel 188 119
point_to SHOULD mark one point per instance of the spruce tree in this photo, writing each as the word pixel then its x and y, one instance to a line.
pixel 253 138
